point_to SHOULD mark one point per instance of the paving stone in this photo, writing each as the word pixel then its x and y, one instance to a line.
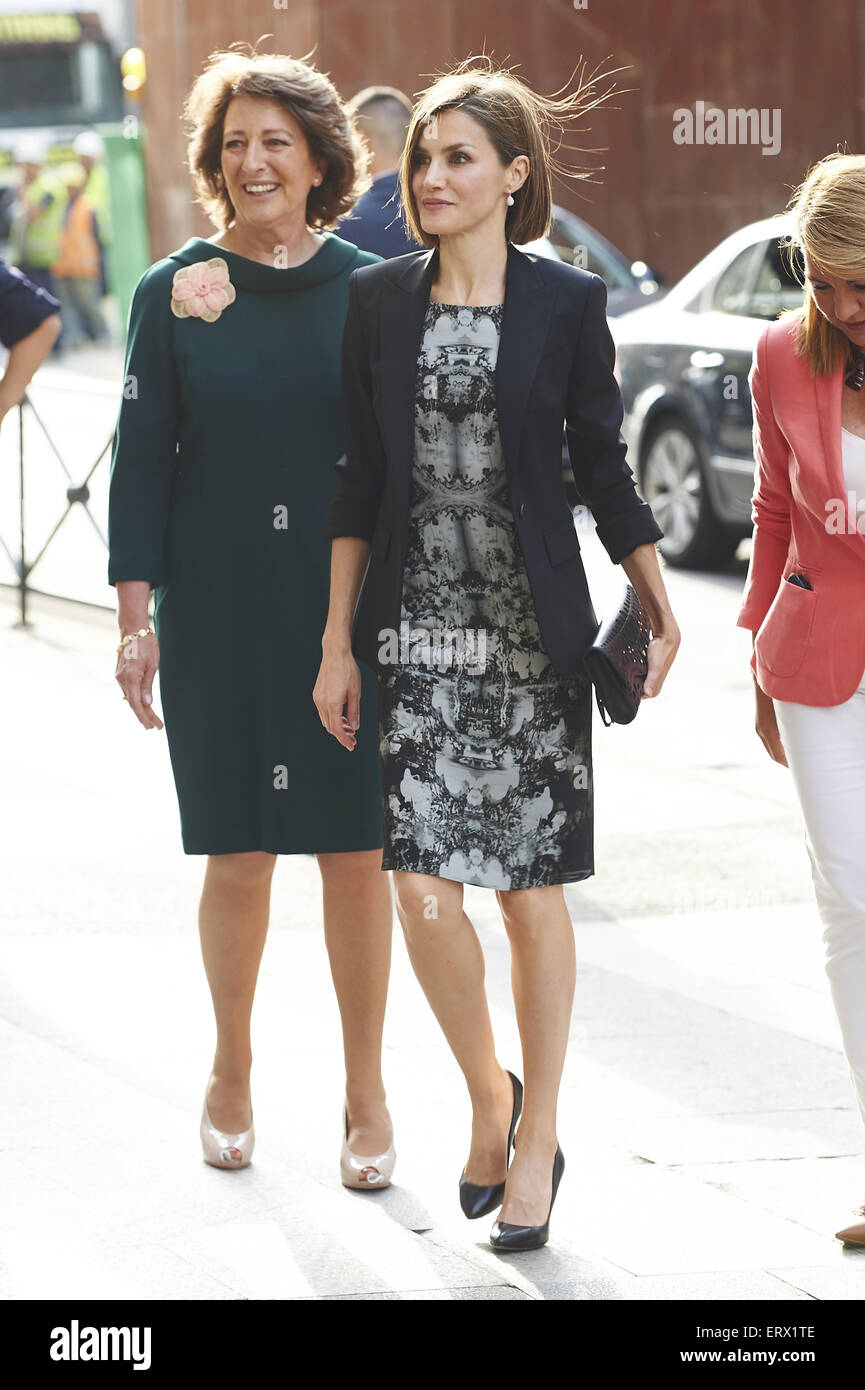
pixel 737 1286
pixel 844 1279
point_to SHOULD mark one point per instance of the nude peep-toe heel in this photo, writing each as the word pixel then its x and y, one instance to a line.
pixel 216 1144
pixel 352 1165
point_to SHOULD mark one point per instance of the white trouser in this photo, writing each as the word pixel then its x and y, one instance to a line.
pixel 825 748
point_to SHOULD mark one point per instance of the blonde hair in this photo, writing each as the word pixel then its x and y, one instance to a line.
pixel 307 95
pixel 518 122
pixel 829 225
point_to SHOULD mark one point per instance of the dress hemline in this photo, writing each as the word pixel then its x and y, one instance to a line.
pixel 258 848
pixel 578 877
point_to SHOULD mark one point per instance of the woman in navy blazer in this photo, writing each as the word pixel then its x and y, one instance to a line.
pixel 546 373
pixel 460 364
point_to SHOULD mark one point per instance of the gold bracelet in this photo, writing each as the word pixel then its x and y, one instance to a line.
pixel 142 632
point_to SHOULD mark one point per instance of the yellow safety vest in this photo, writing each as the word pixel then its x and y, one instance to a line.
pixel 37 243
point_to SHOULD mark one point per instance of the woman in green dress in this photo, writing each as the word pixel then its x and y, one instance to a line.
pixel 222 478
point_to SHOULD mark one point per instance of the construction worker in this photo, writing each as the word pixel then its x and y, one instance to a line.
pixel 37 220
pixel 77 269
pixel 90 153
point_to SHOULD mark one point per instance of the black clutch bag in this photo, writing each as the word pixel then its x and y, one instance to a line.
pixel 618 660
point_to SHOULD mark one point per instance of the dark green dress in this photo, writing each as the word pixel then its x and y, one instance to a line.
pixel 222 477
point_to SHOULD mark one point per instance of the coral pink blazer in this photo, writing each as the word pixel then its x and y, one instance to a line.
pixel 810 643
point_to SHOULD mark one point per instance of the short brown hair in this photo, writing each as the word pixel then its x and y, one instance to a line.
pixel 517 121
pixel 382 114
pixel 307 95
pixel 829 214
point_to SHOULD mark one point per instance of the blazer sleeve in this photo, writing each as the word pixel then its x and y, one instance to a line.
pixel 772 497
pixel 593 420
pixel 144 454
pixel 362 467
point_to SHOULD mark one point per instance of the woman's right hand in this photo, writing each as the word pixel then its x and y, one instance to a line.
pixel 766 724
pixel 338 687
pixel 137 664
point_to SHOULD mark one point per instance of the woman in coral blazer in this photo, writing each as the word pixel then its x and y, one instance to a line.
pixel 804 593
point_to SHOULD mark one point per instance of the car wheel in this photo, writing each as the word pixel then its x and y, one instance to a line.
pixel 672 482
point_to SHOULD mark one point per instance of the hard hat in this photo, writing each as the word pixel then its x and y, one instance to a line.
pixel 89 145
pixel 29 150
pixel 72 174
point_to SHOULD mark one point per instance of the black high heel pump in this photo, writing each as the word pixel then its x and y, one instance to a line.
pixel 504 1236
pixel 479 1201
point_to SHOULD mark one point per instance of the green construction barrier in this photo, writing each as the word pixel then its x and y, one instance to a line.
pixel 127 255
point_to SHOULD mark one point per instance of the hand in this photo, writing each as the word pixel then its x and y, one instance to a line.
pixel 338 687
pixel 766 724
pixel 137 664
pixel 662 652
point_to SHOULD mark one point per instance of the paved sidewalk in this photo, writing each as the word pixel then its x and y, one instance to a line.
pixel 707 1118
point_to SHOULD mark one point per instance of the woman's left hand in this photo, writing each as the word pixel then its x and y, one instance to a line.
pixel 644 573
pixel 338 688
pixel 662 652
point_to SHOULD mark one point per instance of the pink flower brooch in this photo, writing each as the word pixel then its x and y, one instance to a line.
pixel 202 291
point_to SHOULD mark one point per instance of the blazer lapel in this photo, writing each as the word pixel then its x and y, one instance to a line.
pixel 828 391
pixel 525 325
pixel 403 307
pixel 528 309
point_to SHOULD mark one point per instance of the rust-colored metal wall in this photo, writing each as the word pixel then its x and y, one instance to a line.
pixel 665 202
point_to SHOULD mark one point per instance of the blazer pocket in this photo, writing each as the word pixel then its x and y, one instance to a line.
pixel 556 350
pixel 783 637
pixel 549 389
pixel 562 543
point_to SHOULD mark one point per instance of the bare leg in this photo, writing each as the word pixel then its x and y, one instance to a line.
pixel 543 972
pixel 358 930
pixel 449 964
pixel 232 919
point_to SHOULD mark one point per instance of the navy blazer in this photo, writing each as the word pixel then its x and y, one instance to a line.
pixel 555 364
pixel 376 222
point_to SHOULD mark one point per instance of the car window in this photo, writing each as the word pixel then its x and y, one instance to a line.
pixel 757 284
pixel 591 255
pixel 775 287
pixel 732 292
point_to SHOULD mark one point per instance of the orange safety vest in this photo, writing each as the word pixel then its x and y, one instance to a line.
pixel 79 249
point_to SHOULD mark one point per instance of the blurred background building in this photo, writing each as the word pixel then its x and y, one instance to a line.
pixel 66 122
pixel 658 201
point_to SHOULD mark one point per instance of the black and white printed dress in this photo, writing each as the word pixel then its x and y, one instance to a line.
pixel 485 747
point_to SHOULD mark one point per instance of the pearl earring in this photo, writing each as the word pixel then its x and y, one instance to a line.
pixel 510 200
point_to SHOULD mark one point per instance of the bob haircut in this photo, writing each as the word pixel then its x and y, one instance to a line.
pixel 829 224
pixel 307 95
pixel 517 121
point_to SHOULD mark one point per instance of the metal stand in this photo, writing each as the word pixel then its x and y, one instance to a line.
pixel 75 494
